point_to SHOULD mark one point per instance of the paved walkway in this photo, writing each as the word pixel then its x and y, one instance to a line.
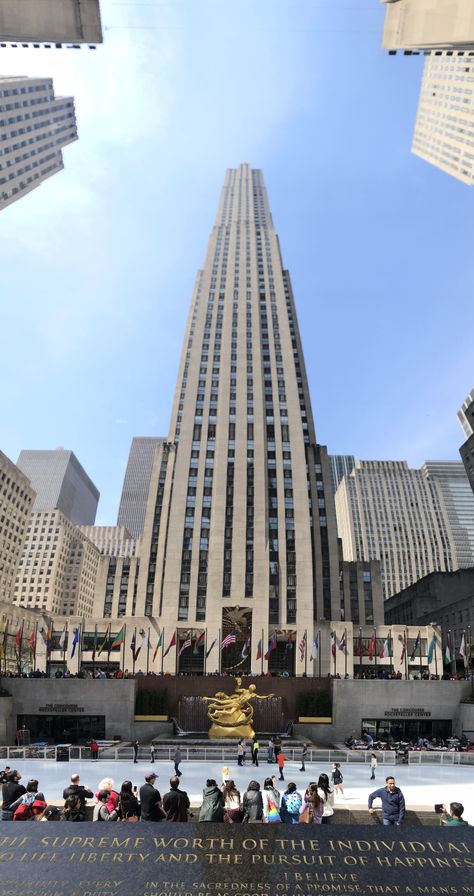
pixel 422 786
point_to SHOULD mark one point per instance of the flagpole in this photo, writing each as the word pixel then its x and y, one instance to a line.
pixel 406 654
pixel 124 645
pixel 94 650
pixel 134 650
pixel 20 647
pixel 162 648
pixel 345 652
pixel 306 652
pixel 375 649
pixel 79 644
pixel 419 652
pixel 359 650
pixel 205 652
pixel 64 649
pixel 261 657
pixel 34 651
pixel 148 652
pixel 435 654
pixel 219 639
pixel 390 651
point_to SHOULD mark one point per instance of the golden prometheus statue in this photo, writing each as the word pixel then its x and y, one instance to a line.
pixel 232 714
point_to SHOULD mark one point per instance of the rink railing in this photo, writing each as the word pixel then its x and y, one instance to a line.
pixel 227 754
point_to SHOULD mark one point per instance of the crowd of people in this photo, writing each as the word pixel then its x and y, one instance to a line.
pixel 220 803
pixel 452 744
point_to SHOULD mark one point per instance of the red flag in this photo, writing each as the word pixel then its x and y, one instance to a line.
pixel 259 649
pixel 32 642
pixel 333 644
pixel 18 638
pixel 372 646
pixel 171 644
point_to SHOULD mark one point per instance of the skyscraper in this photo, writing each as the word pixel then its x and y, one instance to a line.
pixel 389 512
pixel 340 465
pixel 34 126
pixel 444 128
pixel 60 482
pixel 240 531
pixel 136 484
pixel 50 21
pixel 428 24
pixel 16 499
pixel 466 419
pixel 450 477
pixel 465 415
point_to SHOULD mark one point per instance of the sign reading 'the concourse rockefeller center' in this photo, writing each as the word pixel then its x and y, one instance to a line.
pixel 239 860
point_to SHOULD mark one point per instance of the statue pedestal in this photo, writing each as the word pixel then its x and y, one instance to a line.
pixel 238 731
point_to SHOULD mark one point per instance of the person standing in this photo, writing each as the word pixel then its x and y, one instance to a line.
pixel 290 806
pixel 276 746
pixel 79 790
pixel 177 759
pixel 150 800
pixel 327 796
pixel 135 751
pixel 252 803
pixel 304 753
pixel 270 751
pixel 152 753
pixel 271 802
pixel 11 793
pixel 176 802
pixel 212 808
pixel 94 748
pixel 373 766
pixel 240 753
pixel 255 749
pixel 281 764
pixel 393 802
pixel 232 810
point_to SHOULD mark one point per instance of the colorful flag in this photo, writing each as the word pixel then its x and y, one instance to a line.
pixel 210 648
pixel 133 646
pixel 119 639
pixel 62 640
pixel 18 638
pixel 144 643
pixel 333 644
pixel 259 649
pixel 315 648
pixel 229 639
pixel 32 642
pixel 360 649
pixel 104 642
pixel 343 643
pixel 385 649
pixel 272 645
pixel 302 646
pixel 432 649
pixel 246 649
pixel 199 642
pixel 160 641
pixel 75 641
pixel 447 653
pixel 171 644
pixel 186 643
pixel 372 645
pixel 415 648
pixel 462 647
pixel 404 646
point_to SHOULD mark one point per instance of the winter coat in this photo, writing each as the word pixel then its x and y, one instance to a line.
pixel 212 808
pixel 252 804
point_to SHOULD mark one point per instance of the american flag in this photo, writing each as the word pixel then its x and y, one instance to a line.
pixel 186 643
pixel 229 639
pixel 303 647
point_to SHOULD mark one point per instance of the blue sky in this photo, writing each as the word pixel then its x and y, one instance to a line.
pixel 98 264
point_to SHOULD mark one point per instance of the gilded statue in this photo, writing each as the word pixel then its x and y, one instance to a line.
pixel 232 714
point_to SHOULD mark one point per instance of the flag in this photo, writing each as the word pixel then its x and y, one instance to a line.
pixel 133 646
pixel 186 643
pixel 343 643
pixel 289 643
pixel 75 641
pixel 314 649
pixel 229 639
pixel 210 648
pixel 385 649
pixel 3 645
pixel 462 648
pixel 372 645
pixel 62 639
pixel 360 650
pixel 246 649
pixel 432 649
pixel 119 639
pixel 272 645
pixel 404 646
pixel 32 642
pixel 198 642
pixel 447 653
pixel 94 646
pixel 18 638
pixel 302 646
pixel 415 648
pixel 144 643
pixel 104 642
pixel 333 644
pixel 47 641
pixel 259 649
pixel 171 644
pixel 160 641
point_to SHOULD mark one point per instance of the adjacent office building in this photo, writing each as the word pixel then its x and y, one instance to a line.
pixel 453 484
pixel 60 482
pixel 466 418
pixel 16 499
pixel 136 484
pixel 50 21
pixel 340 465
pixel 34 127
pixel 389 512
pixel 444 128
pixel 428 24
pixel 241 521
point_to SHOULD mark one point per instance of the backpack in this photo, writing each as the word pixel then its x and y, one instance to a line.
pixel 26 811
